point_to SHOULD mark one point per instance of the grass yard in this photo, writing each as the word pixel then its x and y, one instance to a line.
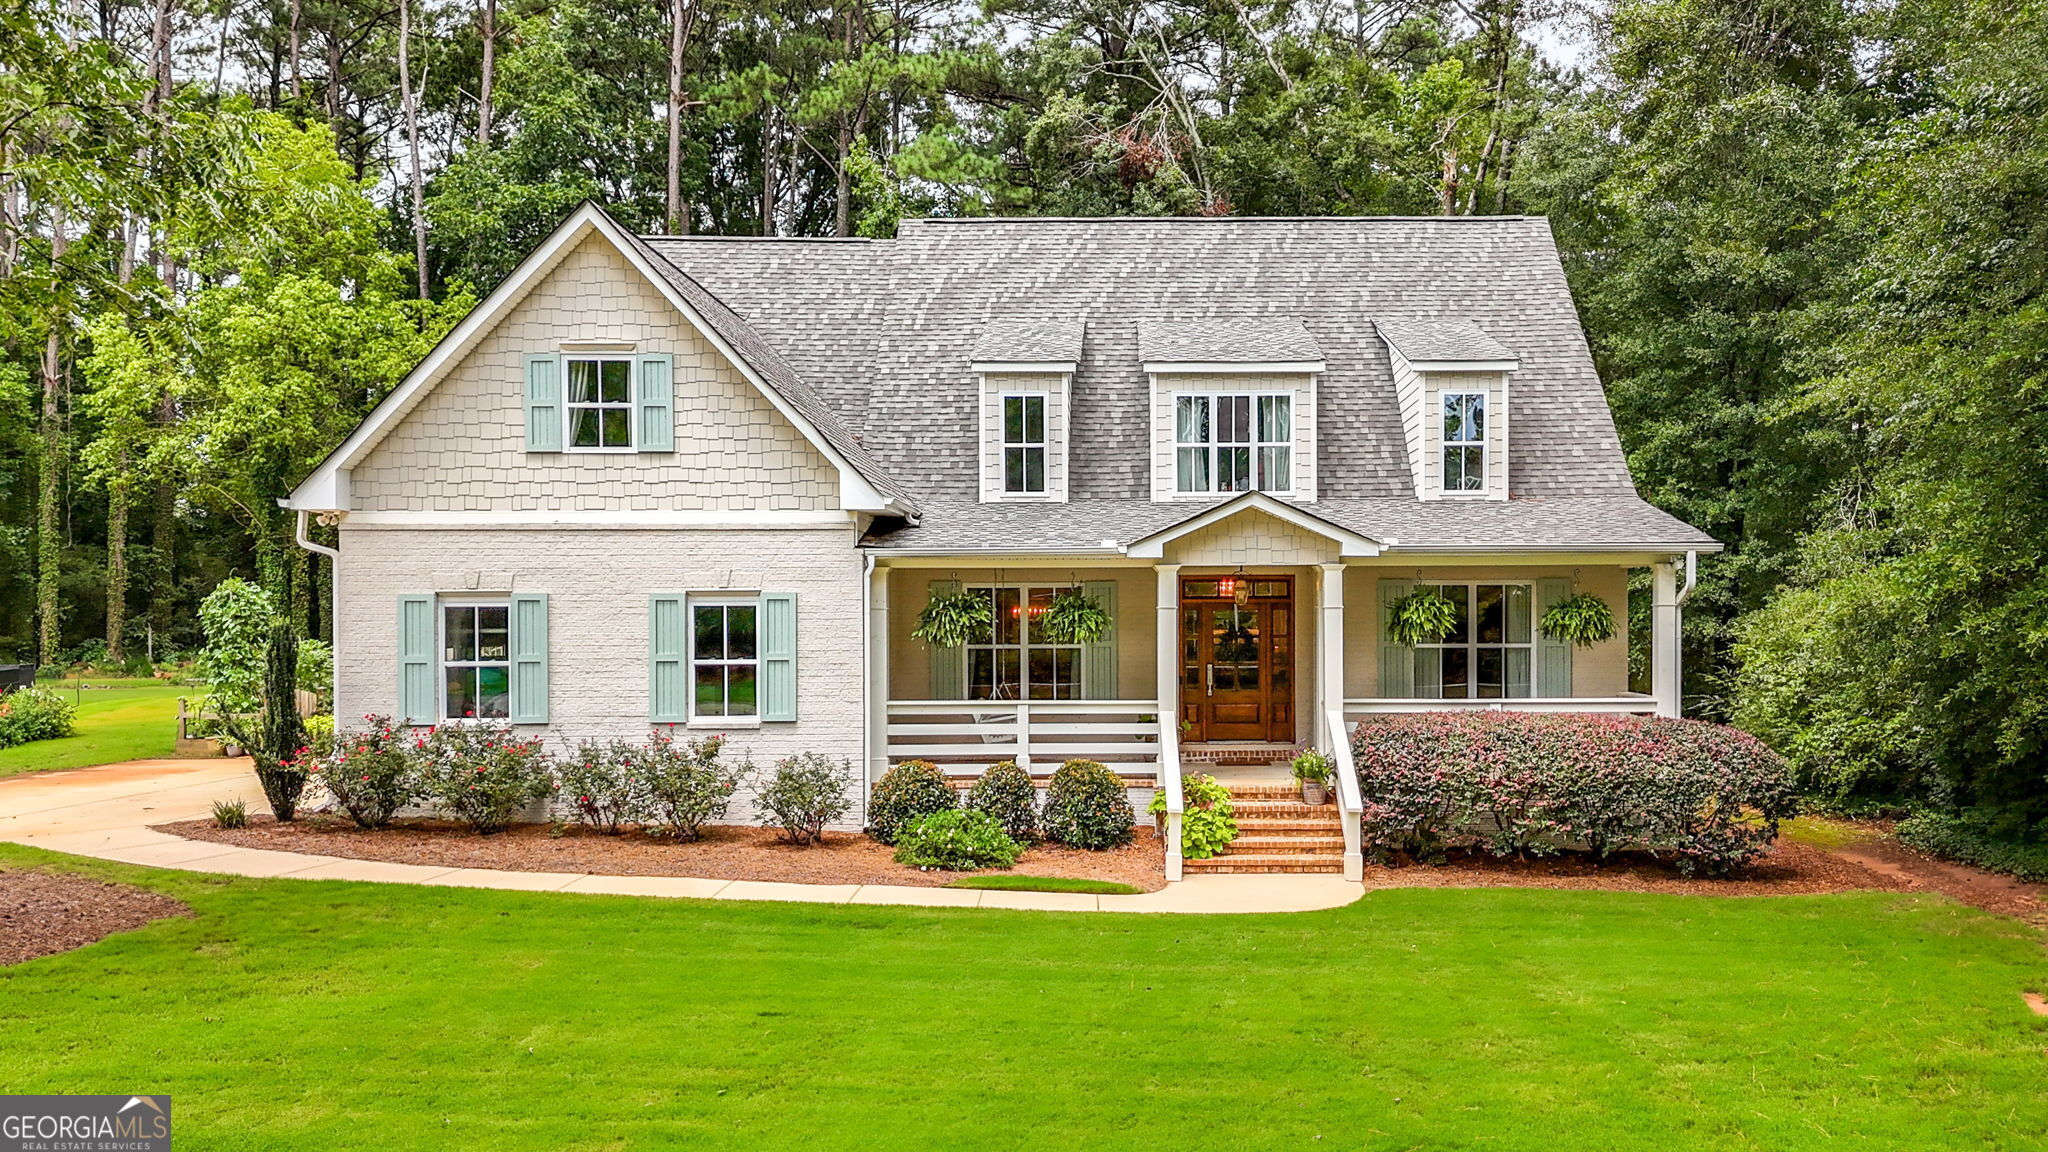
pixel 134 722
pixel 310 1015
pixel 1010 882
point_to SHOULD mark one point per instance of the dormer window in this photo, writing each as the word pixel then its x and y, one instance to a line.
pixel 1464 441
pixel 1024 443
pixel 600 407
pixel 1227 442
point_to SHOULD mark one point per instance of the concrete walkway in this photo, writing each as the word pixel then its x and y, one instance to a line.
pixel 107 812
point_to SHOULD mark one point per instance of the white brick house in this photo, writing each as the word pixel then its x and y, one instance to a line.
pixel 710 483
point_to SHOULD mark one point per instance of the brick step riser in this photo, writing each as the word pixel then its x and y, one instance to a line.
pixel 1324 857
pixel 1227 868
pixel 1261 845
pixel 1285 811
pixel 1266 827
pixel 1256 793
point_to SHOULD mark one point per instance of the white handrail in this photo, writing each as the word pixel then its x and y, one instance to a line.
pixel 1350 803
pixel 1390 705
pixel 1169 781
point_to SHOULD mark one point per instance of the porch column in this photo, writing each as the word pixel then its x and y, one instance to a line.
pixel 1329 649
pixel 1166 677
pixel 1666 660
pixel 878 674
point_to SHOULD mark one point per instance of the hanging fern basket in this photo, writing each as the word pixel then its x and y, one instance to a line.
pixel 1582 620
pixel 952 620
pixel 1424 616
pixel 1074 618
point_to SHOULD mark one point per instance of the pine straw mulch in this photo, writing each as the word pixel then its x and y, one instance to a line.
pixel 44 913
pixel 726 852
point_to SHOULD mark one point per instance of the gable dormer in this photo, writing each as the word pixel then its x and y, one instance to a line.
pixel 1452 382
pixel 1233 406
pixel 1026 371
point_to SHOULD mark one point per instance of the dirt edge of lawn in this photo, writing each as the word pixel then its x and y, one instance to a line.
pixel 45 913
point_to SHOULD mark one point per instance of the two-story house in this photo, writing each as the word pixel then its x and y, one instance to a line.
pixel 711 482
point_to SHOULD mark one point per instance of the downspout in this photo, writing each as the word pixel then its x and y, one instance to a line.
pixel 1692 573
pixel 333 586
pixel 867 685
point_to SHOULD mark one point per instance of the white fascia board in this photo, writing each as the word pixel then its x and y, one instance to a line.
pixel 1034 367
pixel 1349 543
pixel 1465 365
pixel 1228 367
pixel 1559 553
pixel 735 518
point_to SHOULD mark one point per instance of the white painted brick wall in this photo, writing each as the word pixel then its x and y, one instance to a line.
pixel 598 581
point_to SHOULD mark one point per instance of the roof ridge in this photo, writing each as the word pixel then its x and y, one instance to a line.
pixel 766 239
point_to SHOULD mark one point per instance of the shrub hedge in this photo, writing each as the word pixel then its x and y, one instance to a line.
pixel 1086 806
pixel 1977 837
pixel 482 774
pixel 1706 795
pixel 31 714
pixel 368 772
pixel 905 792
pixel 957 839
pixel 1006 792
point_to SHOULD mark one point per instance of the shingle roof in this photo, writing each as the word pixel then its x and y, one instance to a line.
pixel 1442 340
pixel 1228 339
pixel 882 333
pixel 1043 341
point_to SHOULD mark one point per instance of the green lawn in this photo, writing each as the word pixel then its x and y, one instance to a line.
pixel 309 1015
pixel 135 722
pixel 1007 882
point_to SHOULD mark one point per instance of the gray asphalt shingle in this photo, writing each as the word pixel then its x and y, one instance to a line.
pixel 1441 340
pixel 1226 339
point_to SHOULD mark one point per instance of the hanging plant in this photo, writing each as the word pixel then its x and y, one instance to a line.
pixel 950 621
pixel 1073 618
pixel 1423 616
pixel 1583 620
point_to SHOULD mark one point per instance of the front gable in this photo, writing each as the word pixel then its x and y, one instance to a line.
pixel 464 443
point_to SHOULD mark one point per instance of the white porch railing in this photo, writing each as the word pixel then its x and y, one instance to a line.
pixel 1350 802
pixel 1169 783
pixel 1628 702
pixel 970 735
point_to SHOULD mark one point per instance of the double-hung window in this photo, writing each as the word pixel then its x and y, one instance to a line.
pixel 476 661
pixel 1014 660
pixel 725 658
pixel 1233 443
pixel 1024 443
pixel 600 404
pixel 1464 441
pixel 1488 654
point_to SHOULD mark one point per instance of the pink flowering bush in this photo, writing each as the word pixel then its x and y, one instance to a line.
pixel 688 785
pixel 368 772
pixel 481 774
pixel 1708 796
pixel 605 784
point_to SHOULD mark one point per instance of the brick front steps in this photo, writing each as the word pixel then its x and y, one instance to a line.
pixel 1276 832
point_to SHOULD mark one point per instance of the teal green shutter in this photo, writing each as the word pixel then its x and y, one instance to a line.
pixel 948 665
pixel 778 655
pixel 530 658
pixel 668 660
pixel 1397 660
pixel 654 403
pixel 544 403
pixel 1553 657
pixel 416 640
pixel 1098 660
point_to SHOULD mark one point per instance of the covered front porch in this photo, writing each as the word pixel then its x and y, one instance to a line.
pixel 1235 641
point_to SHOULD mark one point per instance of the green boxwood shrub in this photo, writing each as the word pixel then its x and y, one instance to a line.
pixel 481 774
pixel 370 772
pixel 1086 806
pixel 807 792
pixel 30 714
pixel 1706 795
pixel 1006 792
pixel 905 792
pixel 688 786
pixel 959 840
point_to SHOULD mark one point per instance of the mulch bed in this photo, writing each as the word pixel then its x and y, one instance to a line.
pixel 44 913
pixel 727 852
pixel 1788 869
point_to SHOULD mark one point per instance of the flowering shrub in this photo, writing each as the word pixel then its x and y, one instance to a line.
pixel 1209 822
pixel 605 784
pixel 368 772
pixel 687 786
pixel 956 839
pixel 1086 806
pixel 1706 795
pixel 806 793
pixel 34 714
pixel 905 792
pixel 481 774
pixel 1006 792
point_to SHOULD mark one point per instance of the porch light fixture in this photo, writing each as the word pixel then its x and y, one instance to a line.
pixel 1237 586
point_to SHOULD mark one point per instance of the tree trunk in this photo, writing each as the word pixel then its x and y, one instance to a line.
pixel 49 504
pixel 163 543
pixel 682 20
pixel 412 141
pixel 768 172
pixel 298 83
pixel 117 562
pixel 842 191
pixel 489 74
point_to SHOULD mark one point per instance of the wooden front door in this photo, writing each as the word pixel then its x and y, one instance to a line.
pixel 1237 658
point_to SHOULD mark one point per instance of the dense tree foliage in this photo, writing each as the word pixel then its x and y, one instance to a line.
pixel 1805 236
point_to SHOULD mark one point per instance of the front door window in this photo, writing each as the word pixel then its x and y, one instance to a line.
pixel 1237 659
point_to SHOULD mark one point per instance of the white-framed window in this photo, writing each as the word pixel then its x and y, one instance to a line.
pixel 1024 443
pixel 725 657
pixel 1490 654
pixel 476 660
pixel 1013 660
pixel 1233 442
pixel 1464 441
pixel 600 404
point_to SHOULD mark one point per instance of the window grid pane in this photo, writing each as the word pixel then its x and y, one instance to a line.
pixel 600 403
pixel 1015 662
pixel 1488 653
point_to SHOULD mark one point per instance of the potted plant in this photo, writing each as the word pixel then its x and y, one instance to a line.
pixel 948 621
pixel 1582 620
pixel 1074 618
pixel 1312 772
pixel 1424 616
